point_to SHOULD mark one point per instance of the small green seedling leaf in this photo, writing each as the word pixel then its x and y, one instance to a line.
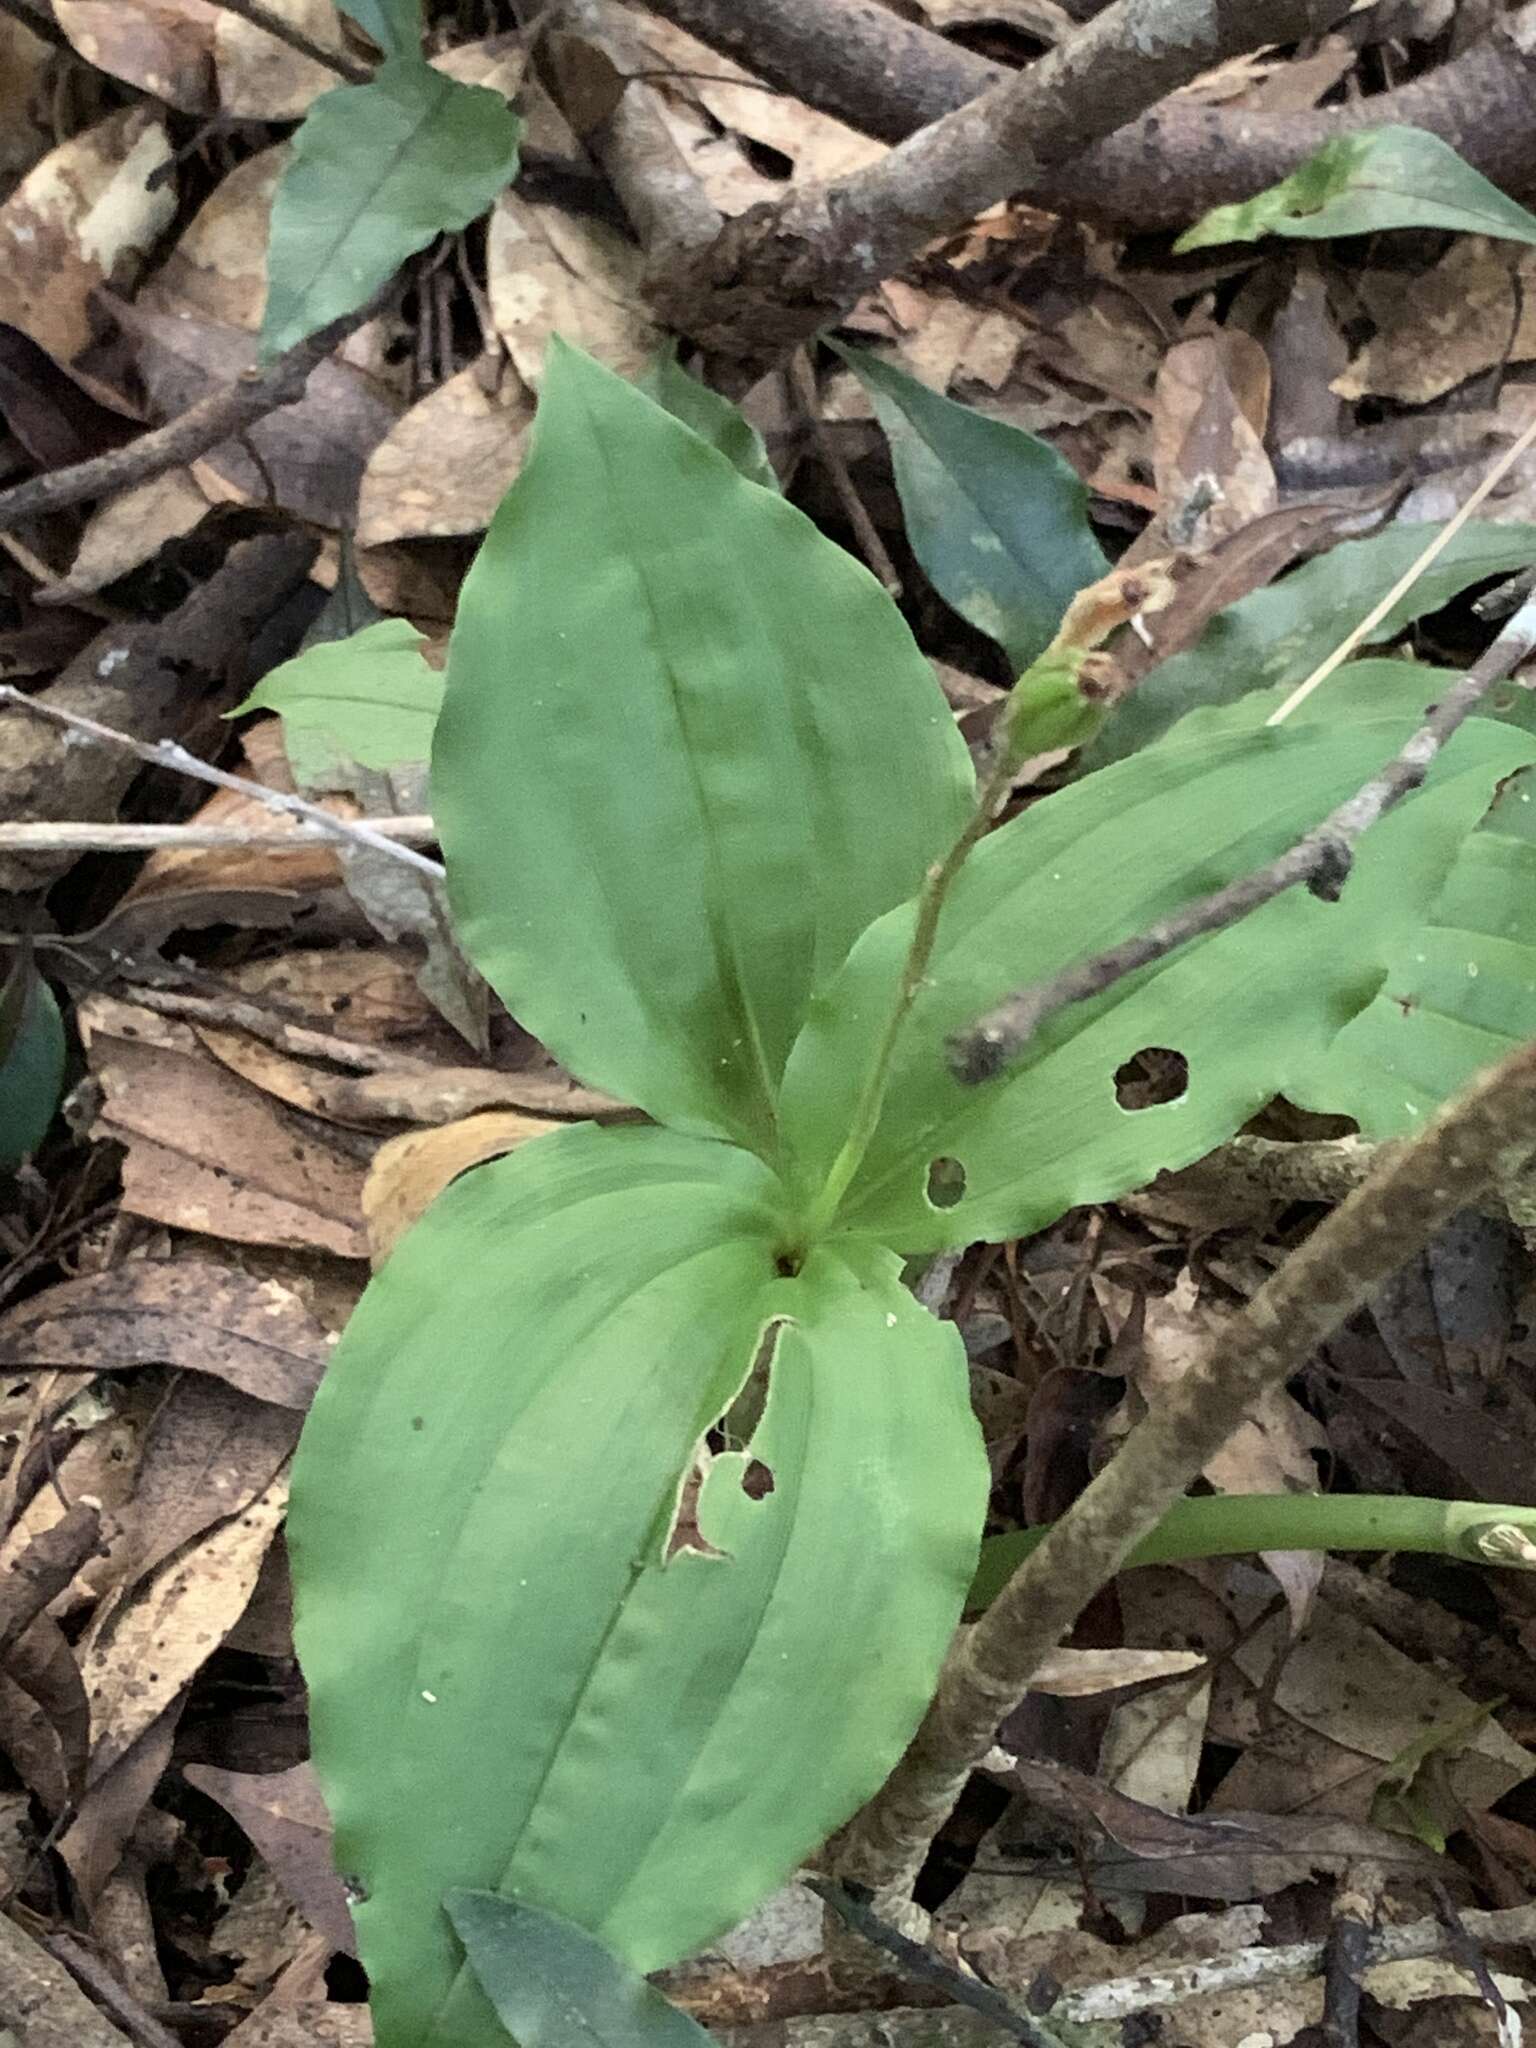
pixel 395 25
pixel 1278 636
pixel 370 698
pixel 610 1714
pixel 377 171
pixel 31 1058
pixel 712 417
pixel 1413 1795
pixel 998 520
pixel 1390 177
pixel 649 644
pixel 553 1986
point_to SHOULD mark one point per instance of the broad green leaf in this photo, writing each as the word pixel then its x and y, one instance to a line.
pixel 996 517
pixel 688 751
pixel 1249 1009
pixel 1460 988
pixel 1279 635
pixel 31 1059
pixel 370 698
pixel 395 25
pixel 712 417
pixel 513 1686
pixel 1360 184
pixel 553 1986
pixel 376 171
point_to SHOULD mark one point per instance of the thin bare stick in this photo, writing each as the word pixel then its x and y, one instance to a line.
pixel 1350 1255
pixel 219 417
pixel 1118 1997
pixel 75 838
pixel 1408 579
pixel 273 24
pixel 871 546
pixel 167 754
pixel 1321 861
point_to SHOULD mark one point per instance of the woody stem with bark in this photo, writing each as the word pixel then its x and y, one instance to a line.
pixel 1347 1258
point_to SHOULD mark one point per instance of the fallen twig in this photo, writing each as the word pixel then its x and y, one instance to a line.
pixel 168 754
pixel 69 837
pixel 777 274
pixel 889 78
pixel 1321 862
pixel 259 15
pixel 1349 1256
pixel 216 418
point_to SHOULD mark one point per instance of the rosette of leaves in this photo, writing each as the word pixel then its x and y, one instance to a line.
pixel 634 1517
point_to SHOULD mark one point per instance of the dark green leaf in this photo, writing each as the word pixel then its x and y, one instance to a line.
pixel 377 171
pixel 395 25
pixel 997 518
pixel 370 698
pixel 553 1986
pixel 1249 1009
pixel 1389 177
pixel 31 1058
pixel 713 418
pixel 689 750
pixel 518 1682
pixel 1279 635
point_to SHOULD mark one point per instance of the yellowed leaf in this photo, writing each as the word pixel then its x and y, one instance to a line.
pixel 410 1172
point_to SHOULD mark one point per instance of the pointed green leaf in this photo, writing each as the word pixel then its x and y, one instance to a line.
pixel 395 25
pixel 1460 988
pixel 689 750
pixel 553 1986
pixel 513 1686
pixel 1279 635
pixel 1248 1008
pixel 997 518
pixel 370 698
pixel 712 417
pixel 31 1058
pixel 1390 177
pixel 376 171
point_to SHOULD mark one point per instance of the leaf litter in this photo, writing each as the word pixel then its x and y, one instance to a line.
pixel 186 1247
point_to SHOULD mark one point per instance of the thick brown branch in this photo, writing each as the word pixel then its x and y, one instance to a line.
pixel 778 273
pixel 1350 1255
pixel 854 59
pixel 1320 862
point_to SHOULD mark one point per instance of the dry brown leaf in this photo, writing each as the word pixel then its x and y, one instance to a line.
pixel 284 1814
pixel 23 139
pixel 312 453
pixel 85 216
pixel 219 264
pixel 138 1661
pixel 550 272
pixel 1317 1736
pixel 320 2024
pixel 410 1172
pixel 1474 309
pixel 116 1797
pixel 165 47
pixel 254 1334
pixel 1080 1674
pixel 262 79
pixel 206 1152
pixel 131 528
pixel 816 145
pixel 444 466
pixel 1211 407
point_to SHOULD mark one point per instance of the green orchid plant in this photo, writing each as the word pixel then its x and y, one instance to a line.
pixel 637 1511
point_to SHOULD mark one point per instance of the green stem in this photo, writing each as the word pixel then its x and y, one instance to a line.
pixel 937 883
pixel 1230 1525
